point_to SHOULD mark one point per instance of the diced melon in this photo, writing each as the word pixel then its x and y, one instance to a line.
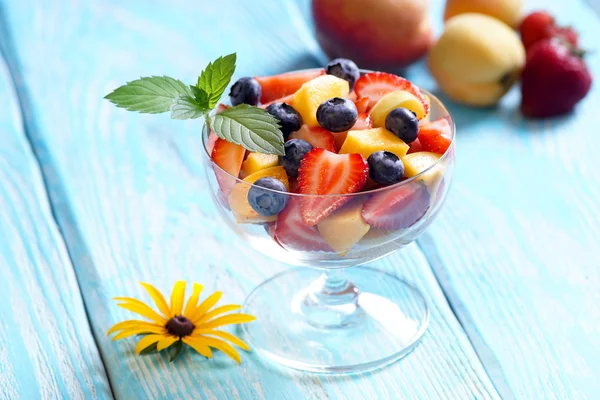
pixel 368 141
pixel 396 99
pixel 314 92
pixel 238 198
pixel 344 227
pixel 258 161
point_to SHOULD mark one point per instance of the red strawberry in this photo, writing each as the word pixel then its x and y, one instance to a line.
pixel 415 146
pixel 212 137
pixel 363 122
pixel 210 144
pixel 540 25
pixel 435 136
pixel 229 156
pixel 278 86
pixel 293 234
pixel 317 136
pixel 397 208
pixel 323 172
pixel 376 84
pixel 222 107
pixel 286 99
pixel 362 104
pixel 554 80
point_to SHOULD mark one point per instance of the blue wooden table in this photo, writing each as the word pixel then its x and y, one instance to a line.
pixel 94 199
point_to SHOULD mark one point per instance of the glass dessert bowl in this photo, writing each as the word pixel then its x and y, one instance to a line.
pixel 325 316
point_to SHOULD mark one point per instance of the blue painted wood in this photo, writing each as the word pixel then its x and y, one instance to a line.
pixel 46 347
pixel 516 250
pixel 129 195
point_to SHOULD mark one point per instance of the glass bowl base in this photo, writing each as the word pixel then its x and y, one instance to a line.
pixel 383 325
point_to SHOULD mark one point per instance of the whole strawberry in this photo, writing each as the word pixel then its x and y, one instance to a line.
pixel 554 80
pixel 540 25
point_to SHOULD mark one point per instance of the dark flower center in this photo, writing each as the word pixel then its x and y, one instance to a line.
pixel 180 326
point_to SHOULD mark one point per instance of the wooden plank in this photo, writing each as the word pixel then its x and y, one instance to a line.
pixel 46 346
pixel 517 248
pixel 131 200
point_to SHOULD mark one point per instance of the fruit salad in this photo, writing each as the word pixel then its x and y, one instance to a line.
pixel 366 154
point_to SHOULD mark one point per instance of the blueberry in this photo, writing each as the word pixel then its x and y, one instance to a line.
pixel 385 168
pixel 266 202
pixel 344 69
pixel 295 150
pixel 403 123
pixel 245 90
pixel 337 114
pixel 289 119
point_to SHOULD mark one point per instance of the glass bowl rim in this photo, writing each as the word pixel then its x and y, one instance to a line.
pixel 432 99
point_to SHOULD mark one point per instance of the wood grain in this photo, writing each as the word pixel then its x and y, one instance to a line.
pixel 129 196
pixel 46 347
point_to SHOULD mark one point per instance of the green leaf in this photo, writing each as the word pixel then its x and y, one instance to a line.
pixel 151 95
pixel 201 96
pixel 249 126
pixel 187 107
pixel 150 349
pixel 215 78
pixel 178 346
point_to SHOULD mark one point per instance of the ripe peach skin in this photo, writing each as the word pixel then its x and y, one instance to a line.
pixel 507 11
pixel 376 34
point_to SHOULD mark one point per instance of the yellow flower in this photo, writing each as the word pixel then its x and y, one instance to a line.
pixel 193 325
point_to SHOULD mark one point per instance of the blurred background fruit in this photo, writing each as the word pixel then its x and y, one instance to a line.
pixel 378 34
pixel 507 11
pixel 554 80
pixel 477 59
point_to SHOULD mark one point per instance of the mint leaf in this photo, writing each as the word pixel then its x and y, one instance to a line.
pixel 201 97
pixel 215 78
pixel 252 127
pixel 151 95
pixel 187 107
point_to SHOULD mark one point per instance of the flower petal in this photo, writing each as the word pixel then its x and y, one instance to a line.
pixel 217 311
pixel 125 333
pixel 126 324
pixel 166 342
pixel 147 341
pixel 155 316
pixel 227 320
pixel 177 297
pixel 159 300
pixel 224 347
pixel 223 335
pixel 197 344
pixel 206 305
pixel 143 310
pixel 193 301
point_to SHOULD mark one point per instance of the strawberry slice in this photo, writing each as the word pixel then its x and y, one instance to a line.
pixel 415 146
pixel 323 172
pixel 317 136
pixel 229 157
pixel 362 122
pixel 293 234
pixel 362 104
pixel 222 107
pixel 397 208
pixel 278 86
pixel 376 84
pixel 287 99
pixel 436 136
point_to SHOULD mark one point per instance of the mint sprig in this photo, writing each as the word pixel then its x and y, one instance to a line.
pixel 249 126
pixel 153 95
